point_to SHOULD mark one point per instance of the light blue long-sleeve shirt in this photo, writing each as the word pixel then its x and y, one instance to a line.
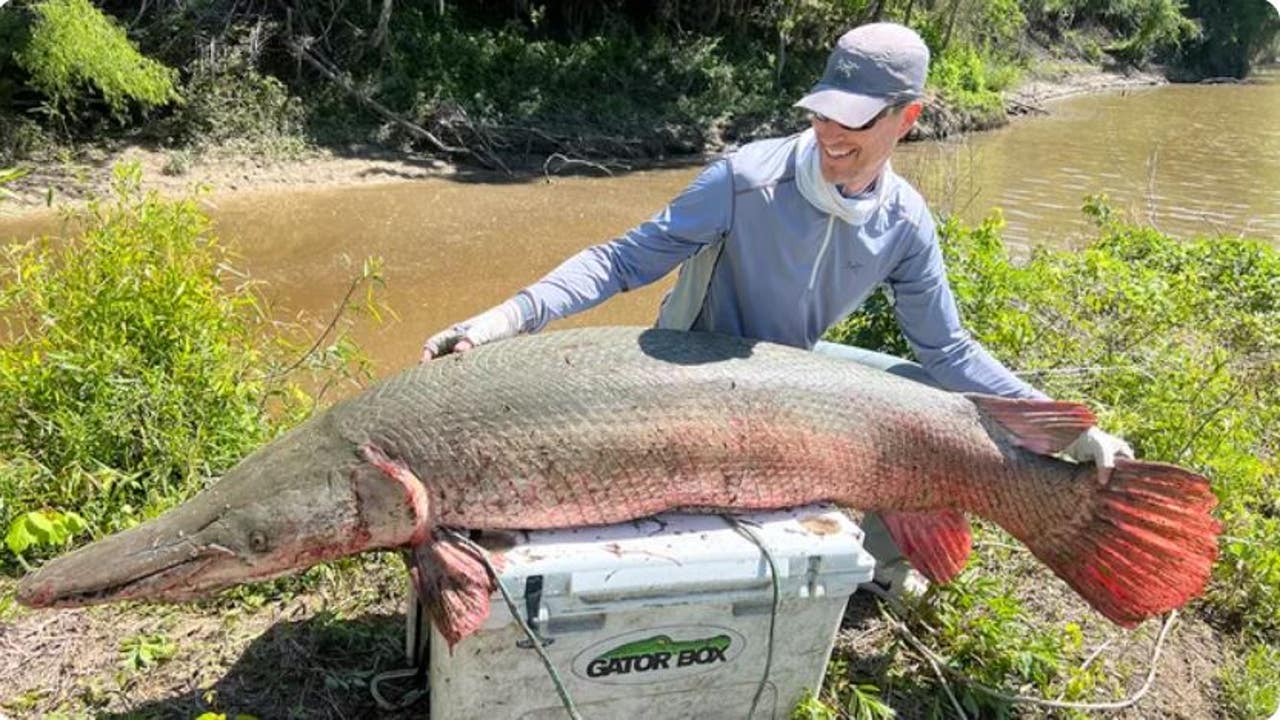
pixel 787 271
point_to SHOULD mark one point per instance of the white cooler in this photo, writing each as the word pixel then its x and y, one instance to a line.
pixel 662 618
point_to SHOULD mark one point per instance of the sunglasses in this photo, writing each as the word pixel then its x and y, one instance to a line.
pixel 888 109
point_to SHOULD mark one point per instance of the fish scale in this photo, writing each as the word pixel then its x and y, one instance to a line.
pixel 603 425
pixel 575 413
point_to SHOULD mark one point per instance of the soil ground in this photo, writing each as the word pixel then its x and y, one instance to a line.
pixel 311 651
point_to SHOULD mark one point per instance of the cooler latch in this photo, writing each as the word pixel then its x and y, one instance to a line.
pixel 533 611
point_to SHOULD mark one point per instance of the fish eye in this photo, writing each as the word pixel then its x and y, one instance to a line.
pixel 257 541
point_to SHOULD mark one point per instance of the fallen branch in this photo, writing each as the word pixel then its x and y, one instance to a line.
pixel 300 50
pixel 1024 108
pixel 571 161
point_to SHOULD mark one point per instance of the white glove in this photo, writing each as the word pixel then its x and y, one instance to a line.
pixel 497 323
pixel 1099 447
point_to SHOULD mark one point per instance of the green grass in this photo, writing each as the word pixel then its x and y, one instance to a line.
pixel 1251 684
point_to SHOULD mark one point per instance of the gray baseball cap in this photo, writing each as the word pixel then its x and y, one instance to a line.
pixel 872 66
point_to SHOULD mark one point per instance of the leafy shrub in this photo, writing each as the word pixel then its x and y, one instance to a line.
pixel 20 137
pixel 8 175
pixel 134 368
pixel 844 700
pixel 1158 27
pixel 668 92
pixel 991 638
pixel 231 104
pixel 1235 35
pixel 971 81
pixel 73 47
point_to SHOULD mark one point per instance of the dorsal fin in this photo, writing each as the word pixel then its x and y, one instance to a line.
pixel 1041 426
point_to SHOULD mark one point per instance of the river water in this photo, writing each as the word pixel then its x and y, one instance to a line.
pixel 1191 159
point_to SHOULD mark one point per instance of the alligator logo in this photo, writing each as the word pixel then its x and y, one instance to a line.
pixel 657 656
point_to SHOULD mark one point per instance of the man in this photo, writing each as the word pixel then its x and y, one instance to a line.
pixel 787 236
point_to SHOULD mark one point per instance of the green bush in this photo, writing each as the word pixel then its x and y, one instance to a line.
pixel 1236 35
pixel 989 636
pixel 1176 345
pixel 73 48
pixel 8 175
pixel 624 93
pixel 971 81
pixel 134 369
pixel 230 103
pixel 1158 28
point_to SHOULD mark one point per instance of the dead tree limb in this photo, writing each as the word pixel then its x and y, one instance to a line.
pixel 567 161
pixel 384 21
pixel 300 50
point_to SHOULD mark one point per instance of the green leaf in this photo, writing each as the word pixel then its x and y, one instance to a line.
pixel 42 525
pixel 74 524
pixel 20 537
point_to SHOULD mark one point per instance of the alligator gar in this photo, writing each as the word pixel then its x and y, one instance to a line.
pixel 603 425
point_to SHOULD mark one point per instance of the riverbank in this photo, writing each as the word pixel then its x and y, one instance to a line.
pixel 71 175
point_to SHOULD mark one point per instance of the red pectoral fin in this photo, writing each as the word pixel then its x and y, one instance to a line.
pixel 936 543
pixel 454 585
pixel 1041 426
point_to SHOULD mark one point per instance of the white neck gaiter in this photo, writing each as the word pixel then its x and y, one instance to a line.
pixel 824 195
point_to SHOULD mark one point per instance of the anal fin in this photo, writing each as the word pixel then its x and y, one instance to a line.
pixel 454 585
pixel 937 543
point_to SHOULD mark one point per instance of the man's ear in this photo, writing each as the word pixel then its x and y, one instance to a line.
pixel 907 118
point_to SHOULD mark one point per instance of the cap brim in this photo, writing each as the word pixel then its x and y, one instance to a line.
pixel 845 108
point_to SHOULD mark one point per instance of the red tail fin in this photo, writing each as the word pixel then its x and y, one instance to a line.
pixel 1149 547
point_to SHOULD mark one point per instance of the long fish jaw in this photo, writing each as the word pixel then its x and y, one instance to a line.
pixel 252 525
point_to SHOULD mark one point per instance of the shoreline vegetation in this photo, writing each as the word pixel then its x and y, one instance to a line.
pixel 87 172
pixel 266 94
pixel 136 365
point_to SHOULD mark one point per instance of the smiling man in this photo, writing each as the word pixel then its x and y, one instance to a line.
pixel 785 237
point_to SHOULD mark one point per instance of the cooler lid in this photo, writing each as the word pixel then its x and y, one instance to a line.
pixel 679 552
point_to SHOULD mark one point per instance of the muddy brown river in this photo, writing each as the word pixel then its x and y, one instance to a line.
pixel 1191 159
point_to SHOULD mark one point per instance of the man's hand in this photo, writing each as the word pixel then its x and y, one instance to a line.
pixel 1101 448
pixel 497 323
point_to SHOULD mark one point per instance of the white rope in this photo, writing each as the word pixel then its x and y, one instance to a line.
pixel 773 615
pixel 534 640
pixel 934 658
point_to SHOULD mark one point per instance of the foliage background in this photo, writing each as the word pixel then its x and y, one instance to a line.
pixel 483 80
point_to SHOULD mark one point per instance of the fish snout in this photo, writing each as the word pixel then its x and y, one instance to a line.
pixel 138 563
